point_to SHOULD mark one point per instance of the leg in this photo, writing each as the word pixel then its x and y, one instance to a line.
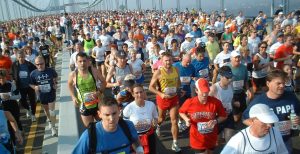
pixel 174 120
pixel 228 133
pixel 31 96
pixel 161 116
pixel 23 99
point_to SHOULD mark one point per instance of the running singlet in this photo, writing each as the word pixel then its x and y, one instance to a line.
pixel 168 82
pixel 86 89
pixel 88 46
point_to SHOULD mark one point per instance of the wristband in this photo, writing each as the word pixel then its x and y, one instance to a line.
pixel 139 149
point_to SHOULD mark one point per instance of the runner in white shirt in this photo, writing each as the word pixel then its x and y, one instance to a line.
pixel 188 44
pixel 144 116
pixel 221 59
pixel 98 52
pixel 138 66
pixel 260 137
pixel 105 39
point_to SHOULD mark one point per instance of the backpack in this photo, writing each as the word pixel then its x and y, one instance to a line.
pixel 93 137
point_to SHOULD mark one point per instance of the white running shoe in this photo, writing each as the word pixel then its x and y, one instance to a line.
pixel 175 147
pixel 28 114
pixel 157 131
pixel 53 131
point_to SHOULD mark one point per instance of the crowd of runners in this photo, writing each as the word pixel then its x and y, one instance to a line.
pixel 210 73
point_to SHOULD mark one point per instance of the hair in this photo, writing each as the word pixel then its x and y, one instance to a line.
pixel 137 85
pixel 81 54
pixel 21 52
pixel 225 43
pixel 263 42
pixel 167 54
pixel 276 73
pixel 3 73
pixel 200 50
pixel 224 69
pixel 287 36
pixel 39 57
pixel 107 101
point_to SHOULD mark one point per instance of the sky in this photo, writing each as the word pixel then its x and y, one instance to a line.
pixel 249 7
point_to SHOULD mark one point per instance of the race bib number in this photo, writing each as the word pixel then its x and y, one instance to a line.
pixel 119 43
pixel 185 80
pixel 237 85
pixel 23 74
pixel 203 73
pixel 284 127
pixel 203 128
pixel 170 90
pixel 90 99
pixel 139 56
pixel 45 88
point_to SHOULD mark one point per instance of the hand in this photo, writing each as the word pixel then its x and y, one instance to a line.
pixel 236 104
pixel 296 120
pixel 36 88
pixel 211 124
pixel 188 122
pixel 5 96
pixel 75 101
pixel 182 93
pixel 19 137
pixel 249 94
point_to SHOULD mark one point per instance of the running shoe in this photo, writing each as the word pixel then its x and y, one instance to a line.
pixel 157 131
pixel 53 131
pixel 175 147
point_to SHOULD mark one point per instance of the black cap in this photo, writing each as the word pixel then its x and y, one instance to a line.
pixel 226 71
pixel 121 54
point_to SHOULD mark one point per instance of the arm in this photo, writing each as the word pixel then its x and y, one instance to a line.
pixel 153 83
pixel 14 125
pixel 15 94
pixel 99 78
pixel 109 76
pixel 71 88
pixel 213 91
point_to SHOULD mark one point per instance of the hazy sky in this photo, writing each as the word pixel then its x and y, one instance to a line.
pixel 250 7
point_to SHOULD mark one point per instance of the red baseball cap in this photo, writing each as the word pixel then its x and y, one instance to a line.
pixel 202 84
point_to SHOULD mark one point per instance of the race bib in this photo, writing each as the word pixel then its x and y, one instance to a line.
pixel 237 85
pixel 44 52
pixel 284 127
pixel 185 80
pixel 142 125
pixel 203 73
pixel 139 56
pixel 45 88
pixel 90 99
pixel 203 128
pixel 23 74
pixel 170 90
pixel 119 43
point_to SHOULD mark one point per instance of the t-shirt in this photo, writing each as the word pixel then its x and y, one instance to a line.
pixel 201 67
pixel 240 78
pixel 222 59
pixel 270 143
pixel 100 51
pixel 212 49
pixel 282 108
pixel 141 117
pixel 5 63
pixel 24 75
pixel 200 114
pixel 136 67
pixel 186 74
pixel 106 140
pixel 281 52
pixel 44 79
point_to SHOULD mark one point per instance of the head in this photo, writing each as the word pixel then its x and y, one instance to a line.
pixel 235 58
pixel 225 46
pixel 3 74
pixel 21 57
pixel 78 47
pixel 288 40
pixel 98 43
pixel 186 60
pixel 121 58
pixel 200 51
pixel 263 47
pixel 276 82
pixel 262 119
pixel 226 75
pixel 138 93
pixel 82 61
pixel 109 113
pixel 202 90
pixel 287 68
pixel 40 63
pixel 167 60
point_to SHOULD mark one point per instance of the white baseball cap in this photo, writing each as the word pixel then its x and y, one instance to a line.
pixel 162 51
pixel 263 113
pixel 189 35
pixel 235 53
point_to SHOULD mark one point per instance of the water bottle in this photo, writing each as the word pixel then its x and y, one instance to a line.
pixel 292 117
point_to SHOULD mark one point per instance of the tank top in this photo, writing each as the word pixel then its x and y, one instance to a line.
pixel 270 143
pixel 225 96
pixel 168 81
pixel 88 46
pixel 262 72
pixel 227 36
pixel 86 90
pixel 4 133
pixel 121 73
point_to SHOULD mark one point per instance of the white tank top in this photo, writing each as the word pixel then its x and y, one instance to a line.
pixel 225 96
pixel 264 145
pixel 263 72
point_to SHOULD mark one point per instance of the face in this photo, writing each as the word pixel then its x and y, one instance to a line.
pixel 82 63
pixel 202 96
pixel 287 69
pixel 40 64
pixel 138 94
pixel 186 61
pixel 21 58
pixel 260 128
pixel 225 80
pixel 110 116
pixel 235 61
pixel 276 86
pixel 200 56
pixel 226 47
pixel 263 48
pixel 167 61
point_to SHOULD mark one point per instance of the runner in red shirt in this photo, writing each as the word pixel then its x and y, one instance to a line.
pixel 5 63
pixel 284 53
pixel 203 113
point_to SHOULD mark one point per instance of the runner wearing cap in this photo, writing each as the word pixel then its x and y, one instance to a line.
pixel 240 85
pixel 260 136
pixel 167 79
pixel 223 91
pixel 188 44
pixel 203 113
pixel 281 102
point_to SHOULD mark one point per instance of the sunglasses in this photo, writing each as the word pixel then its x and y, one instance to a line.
pixel 38 64
pixel 263 47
